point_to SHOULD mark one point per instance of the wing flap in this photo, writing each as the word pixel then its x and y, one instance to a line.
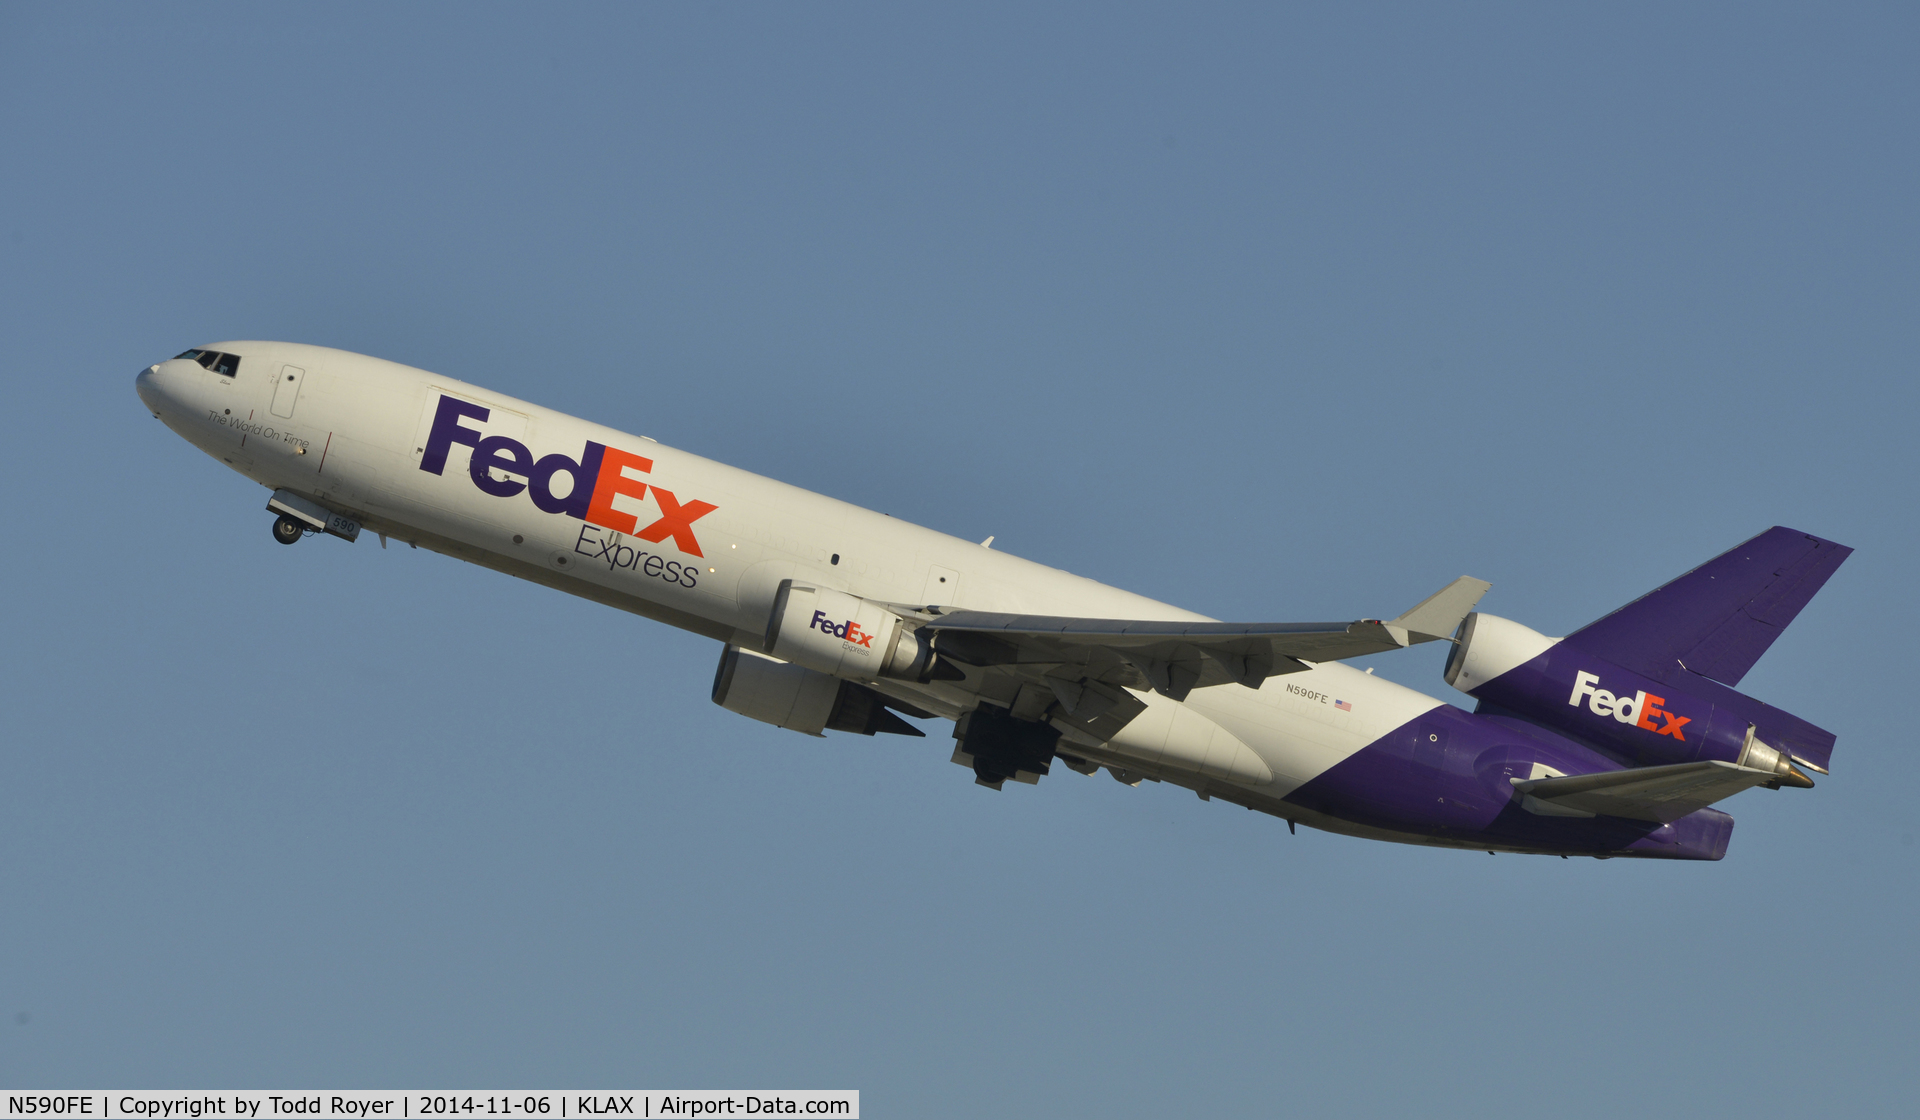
pixel 1647 793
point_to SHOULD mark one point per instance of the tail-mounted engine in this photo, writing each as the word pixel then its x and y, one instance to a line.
pixel 1511 668
pixel 844 635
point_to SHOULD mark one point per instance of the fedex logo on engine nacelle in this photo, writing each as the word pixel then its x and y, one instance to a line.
pixel 594 479
pixel 1638 709
pixel 847 631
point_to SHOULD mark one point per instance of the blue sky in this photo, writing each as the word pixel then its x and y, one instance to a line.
pixel 1288 314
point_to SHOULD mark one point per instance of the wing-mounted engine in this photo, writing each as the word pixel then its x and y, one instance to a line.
pixel 846 636
pixel 1511 668
pixel 800 699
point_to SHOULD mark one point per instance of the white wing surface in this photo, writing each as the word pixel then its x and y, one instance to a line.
pixel 1174 658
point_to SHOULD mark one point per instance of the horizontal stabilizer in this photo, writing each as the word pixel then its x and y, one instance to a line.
pixel 1648 793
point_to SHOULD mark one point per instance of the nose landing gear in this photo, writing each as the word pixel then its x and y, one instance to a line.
pixel 299 516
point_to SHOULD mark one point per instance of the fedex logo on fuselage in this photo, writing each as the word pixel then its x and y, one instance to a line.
pixel 1640 709
pixel 846 631
pixel 593 480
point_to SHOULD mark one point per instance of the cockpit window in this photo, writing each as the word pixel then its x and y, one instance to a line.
pixel 226 365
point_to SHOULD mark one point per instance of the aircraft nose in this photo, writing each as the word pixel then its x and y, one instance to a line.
pixel 143 384
pixel 162 387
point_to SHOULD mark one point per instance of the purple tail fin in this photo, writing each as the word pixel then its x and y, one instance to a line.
pixel 1719 618
pixel 1703 631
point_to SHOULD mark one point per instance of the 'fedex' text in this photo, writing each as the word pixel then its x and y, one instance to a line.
pixel 593 480
pixel 847 631
pixel 1640 709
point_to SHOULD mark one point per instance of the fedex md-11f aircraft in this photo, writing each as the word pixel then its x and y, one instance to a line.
pixel 1612 741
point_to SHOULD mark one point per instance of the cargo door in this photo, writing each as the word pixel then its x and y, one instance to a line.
pixel 286 391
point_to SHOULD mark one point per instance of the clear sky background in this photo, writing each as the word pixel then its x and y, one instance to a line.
pixel 1274 315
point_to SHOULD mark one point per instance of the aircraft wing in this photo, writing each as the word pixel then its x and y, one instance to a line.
pixel 1647 793
pixel 1174 658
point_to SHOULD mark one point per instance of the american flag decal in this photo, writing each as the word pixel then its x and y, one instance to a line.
pixel 1343 705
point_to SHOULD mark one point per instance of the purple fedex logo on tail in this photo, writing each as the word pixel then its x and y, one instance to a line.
pixel 1617 739
pixel 594 479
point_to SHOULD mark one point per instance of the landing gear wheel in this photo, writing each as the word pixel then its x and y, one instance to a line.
pixel 286 530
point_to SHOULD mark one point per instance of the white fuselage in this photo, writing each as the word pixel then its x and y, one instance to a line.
pixel 353 433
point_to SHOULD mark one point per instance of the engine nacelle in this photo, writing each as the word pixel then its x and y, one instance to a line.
pixel 846 636
pixel 773 691
pixel 1487 646
pixel 1509 666
pixel 799 699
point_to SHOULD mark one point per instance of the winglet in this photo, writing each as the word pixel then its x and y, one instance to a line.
pixel 1439 614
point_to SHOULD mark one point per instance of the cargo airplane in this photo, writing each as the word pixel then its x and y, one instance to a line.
pixel 1615 740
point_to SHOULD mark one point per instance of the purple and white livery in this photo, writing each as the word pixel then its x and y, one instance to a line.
pixel 1612 741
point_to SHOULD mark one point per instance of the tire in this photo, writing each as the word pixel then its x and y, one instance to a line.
pixel 287 531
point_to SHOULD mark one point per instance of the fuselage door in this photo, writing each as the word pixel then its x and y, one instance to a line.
pixel 286 391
